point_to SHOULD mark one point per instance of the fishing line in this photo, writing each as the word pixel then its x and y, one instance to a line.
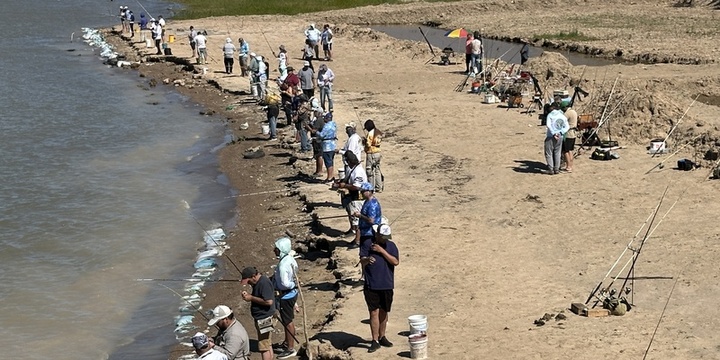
pixel 186 300
pixel 187 207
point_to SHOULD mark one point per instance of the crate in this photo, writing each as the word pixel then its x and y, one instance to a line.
pixel 586 121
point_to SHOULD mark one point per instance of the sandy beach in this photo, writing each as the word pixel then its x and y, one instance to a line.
pixel 488 242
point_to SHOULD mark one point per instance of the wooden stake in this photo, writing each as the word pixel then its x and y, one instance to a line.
pixel 302 298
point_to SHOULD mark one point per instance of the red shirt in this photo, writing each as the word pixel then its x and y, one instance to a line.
pixel 292 81
pixel 468 45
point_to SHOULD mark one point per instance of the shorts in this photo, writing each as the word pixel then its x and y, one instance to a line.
pixel 568 145
pixel 317 148
pixel 378 299
pixel 287 310
pixel 264 340
pixel 328 158
pixel 352 206
pixel 192 45
pixel 327 47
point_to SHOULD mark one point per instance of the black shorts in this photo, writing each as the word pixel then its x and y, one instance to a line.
pixel 568 145
pixel 327 47
pixel 378 299
pixel 317 148
pixel 287 310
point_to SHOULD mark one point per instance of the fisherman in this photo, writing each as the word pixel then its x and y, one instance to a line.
pixel 262 308
pixel 244 53
pixel 302 122
pixel 569 143
pixel 328 139
pixel 313 36
pixel 370 214
pixel 524 52
pixel 143 26
pixel 307 79
pixel 157 30
pixel 557 126
pixel 325 80
pixel 191 40
pixel 379 256
pixel 232 339
pixel 123 18
pixel 353 145
pixel 352 200
pixel 309 53
pixel 204 348
pixel 161 21
pixel 201 44
pixel 286 287
pixel 468 54
pixel 327 42
pixel 316 125
pixel 373 156
pixel 282 62
pixel 261 77
pixel 477 53
pixel 228 55
pixel 131 21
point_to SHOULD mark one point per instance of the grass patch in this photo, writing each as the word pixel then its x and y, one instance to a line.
pixel 196 9
pixel 573 35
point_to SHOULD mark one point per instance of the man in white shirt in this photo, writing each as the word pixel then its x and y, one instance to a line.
pixel 314 36
pixel 477 54
pixel 353 145
pixel 161 21
pixel 201 45
pixel 204 348
pixel 353 201
pixel 157 36
pixel 325 82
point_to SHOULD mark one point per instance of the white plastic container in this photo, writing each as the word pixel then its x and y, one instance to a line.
pixel 418 346
pixel 418 324
pixel 265 129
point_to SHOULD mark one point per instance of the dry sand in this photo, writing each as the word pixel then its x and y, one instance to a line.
pixel 488 243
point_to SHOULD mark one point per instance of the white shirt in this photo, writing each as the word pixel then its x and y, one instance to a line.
pixel 158 32
pixel 213 355
pixel 327 36
pixel 282 59
pixel 354 145
pixel 313 34
pixel 161 22
pixel 201 41
pixel 357 176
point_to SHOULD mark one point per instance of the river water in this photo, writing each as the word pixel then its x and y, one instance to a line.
pixel 94 179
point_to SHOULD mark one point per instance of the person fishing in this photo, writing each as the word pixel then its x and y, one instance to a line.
pixel 352 200
pixel 370 214
pixel 244 54
pixel 262 308
pixel 373 156
pixel 232 339
pixel 287 290
pixel 204 348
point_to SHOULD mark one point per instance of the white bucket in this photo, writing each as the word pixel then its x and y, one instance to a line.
pixel 148 43
pixel 418 346
pixel 341 174
pixel 657 145
pixel 265 129
pixel 418 324
pixel 205 71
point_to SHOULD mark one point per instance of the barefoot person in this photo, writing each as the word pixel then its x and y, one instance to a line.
pixel 379 256
pixel 232 339
pixel 262 308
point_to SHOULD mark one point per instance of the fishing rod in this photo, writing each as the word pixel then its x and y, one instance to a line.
pixel 198 280
pixel 144 9
pixel 660 164
pixel 267 192
pixel 678 123
pixel 432 51
pixel 187 301
pixel 187 207
pixel 662 314
pixel 268 43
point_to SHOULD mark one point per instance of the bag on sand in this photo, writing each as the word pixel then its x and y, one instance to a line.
pixel 600 155
pixel 685 165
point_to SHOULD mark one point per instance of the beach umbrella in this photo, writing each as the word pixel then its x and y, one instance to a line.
pixel 457 33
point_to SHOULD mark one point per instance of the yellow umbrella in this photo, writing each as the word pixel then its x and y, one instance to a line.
pixel 457 33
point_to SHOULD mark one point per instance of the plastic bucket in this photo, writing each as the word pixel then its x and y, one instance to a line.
pixel 418 324
pixel 171 38
pixel 418 346
pixel 265 129
pixel 341 174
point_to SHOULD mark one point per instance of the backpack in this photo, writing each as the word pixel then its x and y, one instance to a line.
pixel 600 155
pixel 716 172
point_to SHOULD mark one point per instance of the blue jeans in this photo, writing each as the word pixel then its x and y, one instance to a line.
pixel 273 126
pixel 326 93
pixel 304 140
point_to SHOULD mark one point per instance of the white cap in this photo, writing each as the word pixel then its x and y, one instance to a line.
pixel 307 63
pixel 384 230
pixel 253 54
pixel 219 312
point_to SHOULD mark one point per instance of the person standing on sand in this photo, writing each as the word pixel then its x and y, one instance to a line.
pixel 353 145
pixel 143 26
pixel 307 80
pixel 287 289
pixel 161 21
pixel 243 57
pixel 262 308
pixel 191 40
pixel 328 139
pixel 569 143
pixel 373 156
pixel 325 80
pixel 477 53
pixel 228 55
pixel 282 62
pixel 123 19
pixel 379 256
pixel 201 44
pixel 261 77
pixel 352 201
pixel 157 35
pixel 302 122
pixel 370 214
pixel 232 339
pixel 204 348
pixel 557 126
pixel 313 37
pixel 327 42
pixel 308 54
pixel 131 22
pixel 468 54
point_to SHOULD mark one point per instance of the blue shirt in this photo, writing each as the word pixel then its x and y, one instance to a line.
pixel 328 135
pixel 371 209
pixel 244 49
pixel 381 274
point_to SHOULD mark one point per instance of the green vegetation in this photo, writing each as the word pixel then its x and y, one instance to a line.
pixel 573 35
pixel 196 9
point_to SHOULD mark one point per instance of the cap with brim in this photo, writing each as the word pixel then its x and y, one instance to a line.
pixel 219 312
pixel 384 230
pixel 247 273
pixel 200 340
pixel 350 125
pixel 307 63
pixel 366 186
pixel 290 68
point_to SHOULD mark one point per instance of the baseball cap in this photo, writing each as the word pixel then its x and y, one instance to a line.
pixel 247 273
pixel 384 230
pixel 328 116
pixel 350 125
pixel 200 340
pixel 290 68
pixel 307 63
pixel 219 312
pixel 366 186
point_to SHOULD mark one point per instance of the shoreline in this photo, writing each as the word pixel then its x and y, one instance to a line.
pixel 467 189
